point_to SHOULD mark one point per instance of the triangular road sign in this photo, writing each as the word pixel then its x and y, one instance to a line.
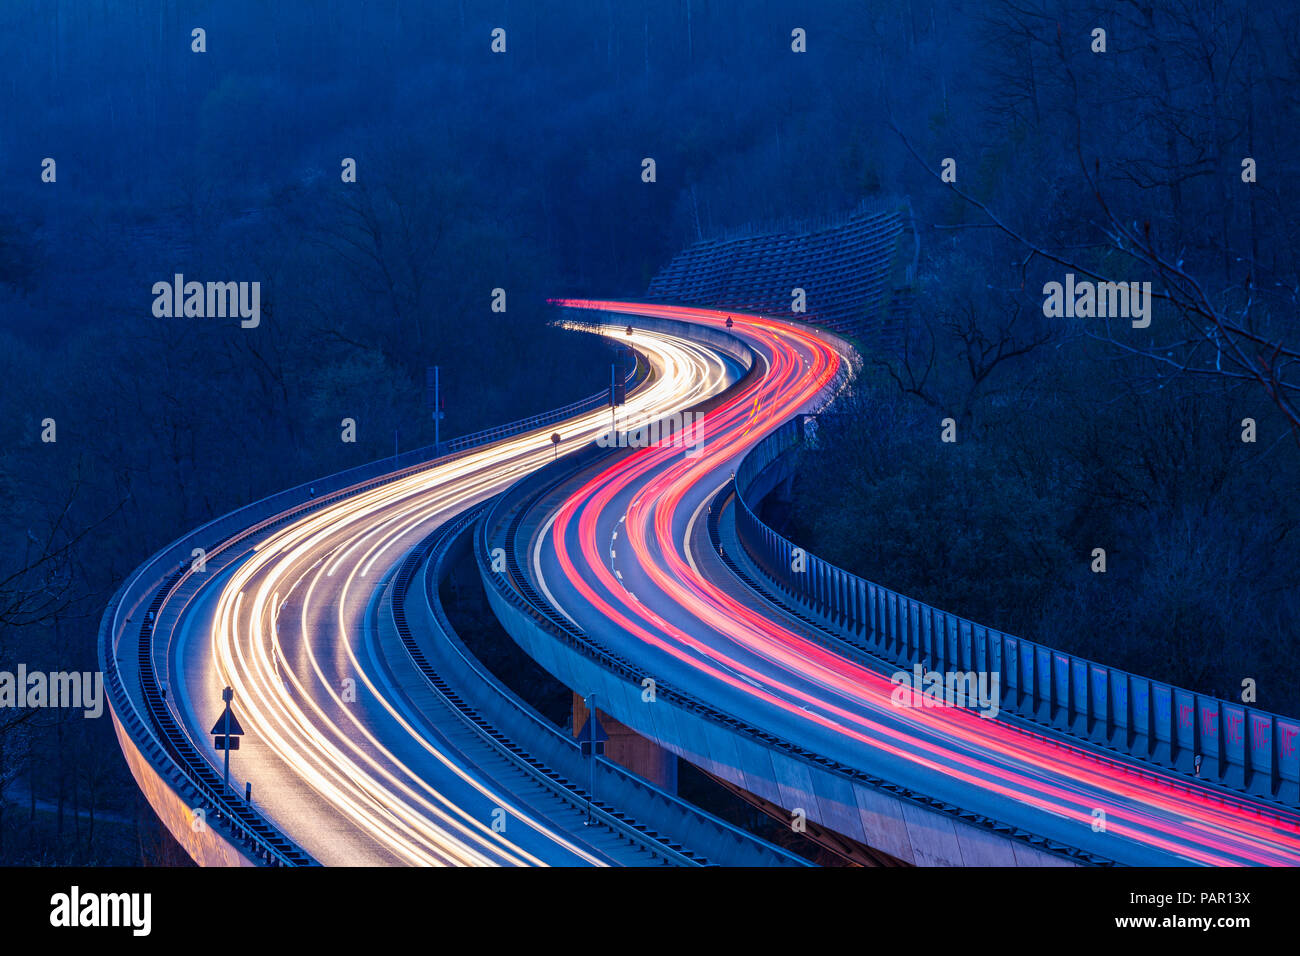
pixel 592 732
pixel 220 729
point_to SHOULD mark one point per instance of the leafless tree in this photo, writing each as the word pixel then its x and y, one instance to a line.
pixel 1227 321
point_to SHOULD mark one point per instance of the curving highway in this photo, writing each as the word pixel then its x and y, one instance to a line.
pixel 352 757
pixel 625 557
pixel 344 754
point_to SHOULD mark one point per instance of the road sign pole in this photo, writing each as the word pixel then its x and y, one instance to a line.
pixel 227 733
pixel 591 778
pixel 437 413
pixel 227 695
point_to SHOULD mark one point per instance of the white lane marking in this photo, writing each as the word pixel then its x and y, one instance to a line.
pixel 537 569
pixel 686 538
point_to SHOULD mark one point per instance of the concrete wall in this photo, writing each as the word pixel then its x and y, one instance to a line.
pixel 891 822
pixel 204 843
pixel 629 749
pixel 640 799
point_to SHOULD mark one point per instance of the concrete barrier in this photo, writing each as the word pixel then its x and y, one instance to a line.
pixel 1244 748
pixel 440 649
pixel 152 741
pixel 909 825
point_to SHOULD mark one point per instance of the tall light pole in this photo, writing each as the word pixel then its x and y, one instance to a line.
pixel 433 401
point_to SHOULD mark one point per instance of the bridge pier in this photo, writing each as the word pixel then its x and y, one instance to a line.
pixel 630 750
